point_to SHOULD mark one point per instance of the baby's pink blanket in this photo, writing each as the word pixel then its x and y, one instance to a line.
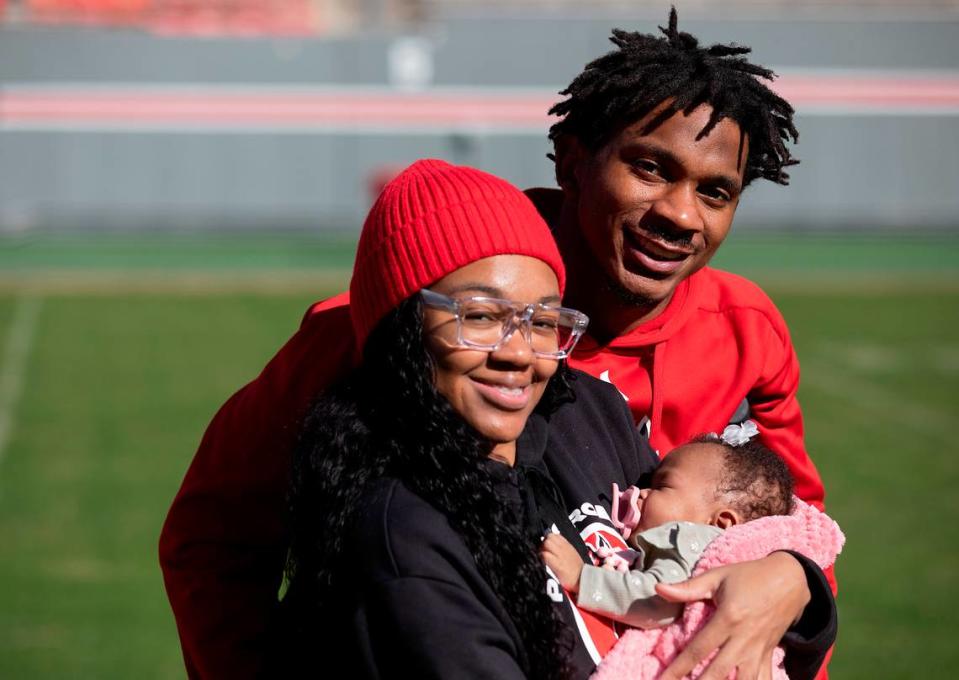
pixel 644 654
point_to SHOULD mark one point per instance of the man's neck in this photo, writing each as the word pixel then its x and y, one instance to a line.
pixel 609 316
pixel 589 289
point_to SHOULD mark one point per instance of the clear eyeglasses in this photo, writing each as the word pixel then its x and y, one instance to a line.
pixel 485 323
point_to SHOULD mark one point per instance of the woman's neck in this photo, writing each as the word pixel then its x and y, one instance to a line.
pixel 504 453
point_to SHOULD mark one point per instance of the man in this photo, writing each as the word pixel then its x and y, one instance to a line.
pixel 656 143
pixel 651 178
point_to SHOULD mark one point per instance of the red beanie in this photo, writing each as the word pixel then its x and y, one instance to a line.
pixel 431 220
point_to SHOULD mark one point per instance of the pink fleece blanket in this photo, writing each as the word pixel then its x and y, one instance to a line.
pixel 644 654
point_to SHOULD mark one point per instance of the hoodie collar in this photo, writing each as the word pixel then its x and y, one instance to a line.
pixel 531 445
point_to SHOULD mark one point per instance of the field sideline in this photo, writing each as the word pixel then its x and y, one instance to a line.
pixel 115 351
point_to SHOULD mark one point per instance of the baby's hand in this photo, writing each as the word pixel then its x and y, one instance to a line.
pixel 615 560
pixel 563 559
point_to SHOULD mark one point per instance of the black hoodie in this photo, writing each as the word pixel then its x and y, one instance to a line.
pixel 419 608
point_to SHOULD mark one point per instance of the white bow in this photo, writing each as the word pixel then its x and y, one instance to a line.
pixel 737 435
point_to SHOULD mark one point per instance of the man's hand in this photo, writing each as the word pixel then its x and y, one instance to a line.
pixel 756 602
pixel 563 559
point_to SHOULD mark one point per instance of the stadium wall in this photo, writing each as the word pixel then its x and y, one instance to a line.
pixel 120 129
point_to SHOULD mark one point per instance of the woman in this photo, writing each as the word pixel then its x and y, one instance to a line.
pixel 410 462
pixel 420 491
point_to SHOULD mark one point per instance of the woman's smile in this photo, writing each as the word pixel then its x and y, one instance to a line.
pixel 507 395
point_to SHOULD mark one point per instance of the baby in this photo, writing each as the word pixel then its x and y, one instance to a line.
pixel 700 489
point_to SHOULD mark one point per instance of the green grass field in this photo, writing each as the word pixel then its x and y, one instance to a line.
pixel 116 351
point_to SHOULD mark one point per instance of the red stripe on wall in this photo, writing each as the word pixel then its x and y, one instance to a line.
pixel 385 108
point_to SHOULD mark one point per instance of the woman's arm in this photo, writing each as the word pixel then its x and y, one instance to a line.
pixel 808 641
pixel 784 599
pixel 781 599
pixel 774 543
pixel 600 423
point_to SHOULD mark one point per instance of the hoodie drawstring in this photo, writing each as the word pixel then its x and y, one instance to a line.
pixel 656 391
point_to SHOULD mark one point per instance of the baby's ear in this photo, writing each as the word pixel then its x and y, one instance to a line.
pixel 725 518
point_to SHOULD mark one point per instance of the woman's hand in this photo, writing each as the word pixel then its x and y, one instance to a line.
pixel 563 559
pixel 756 603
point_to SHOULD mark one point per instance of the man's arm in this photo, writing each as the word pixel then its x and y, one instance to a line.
pixel 774 407
pixel 223 545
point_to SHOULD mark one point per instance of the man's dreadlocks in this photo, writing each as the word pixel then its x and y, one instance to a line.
pixel 645 71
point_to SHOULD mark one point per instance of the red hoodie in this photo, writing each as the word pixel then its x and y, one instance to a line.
pixel 720 341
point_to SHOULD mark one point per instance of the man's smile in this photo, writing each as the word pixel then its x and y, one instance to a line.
pixel 652 253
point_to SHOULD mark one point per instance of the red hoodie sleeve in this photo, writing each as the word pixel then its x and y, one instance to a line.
pixel 222 548
pixel 775 409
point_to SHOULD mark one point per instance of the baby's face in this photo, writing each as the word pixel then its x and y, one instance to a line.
pixel 684 487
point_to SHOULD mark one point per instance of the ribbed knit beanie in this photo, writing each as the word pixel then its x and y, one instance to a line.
pixel 431 220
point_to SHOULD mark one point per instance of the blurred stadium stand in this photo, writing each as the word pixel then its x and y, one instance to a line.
pixel 186 17
pixel 221 114
pixel 296 17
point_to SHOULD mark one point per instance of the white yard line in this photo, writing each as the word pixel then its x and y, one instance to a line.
pixel 14 363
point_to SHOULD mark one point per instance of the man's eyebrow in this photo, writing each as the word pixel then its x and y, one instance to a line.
pixel 661 153
pixel 732 186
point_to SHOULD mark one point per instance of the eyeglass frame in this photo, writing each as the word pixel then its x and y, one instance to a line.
pixel 524 311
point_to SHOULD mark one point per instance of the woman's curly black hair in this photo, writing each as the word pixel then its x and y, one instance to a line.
pixel 645 71
pixel 386 419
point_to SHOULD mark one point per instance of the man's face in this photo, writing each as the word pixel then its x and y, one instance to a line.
pixel 653 208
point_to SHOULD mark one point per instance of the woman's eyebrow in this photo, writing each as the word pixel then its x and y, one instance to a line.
pixel 477 287
pixel 492 291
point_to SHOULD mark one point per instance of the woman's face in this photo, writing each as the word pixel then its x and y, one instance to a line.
pixel 496 391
